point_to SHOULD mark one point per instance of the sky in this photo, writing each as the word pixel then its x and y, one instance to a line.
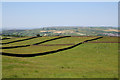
pixel 28 15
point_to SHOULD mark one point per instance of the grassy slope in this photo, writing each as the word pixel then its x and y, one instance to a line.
pixel 89 60
pixel 32 49
pixel 107 39
pixel 38 49
pixel 14 39
pixel 69 40
pixel 28 42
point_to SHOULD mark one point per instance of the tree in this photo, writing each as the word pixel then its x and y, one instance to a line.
pixel 38 35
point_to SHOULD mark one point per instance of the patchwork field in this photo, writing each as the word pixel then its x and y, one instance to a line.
pixel 87 60
pixel 108 40
pixel 69 40
pixel 26 42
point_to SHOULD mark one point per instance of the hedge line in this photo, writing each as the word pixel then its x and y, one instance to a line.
pixel 45 53
pixel 33 44
pixel 18 40
pixel 5 38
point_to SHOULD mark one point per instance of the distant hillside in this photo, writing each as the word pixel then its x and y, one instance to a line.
pixel 66 31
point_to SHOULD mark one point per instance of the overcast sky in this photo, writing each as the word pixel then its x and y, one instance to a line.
pixel 44 14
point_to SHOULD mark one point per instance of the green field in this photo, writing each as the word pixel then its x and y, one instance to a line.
pixel 14 39
pixel 88 60
pixel 27 42
pixel 107 39
pixel 69 40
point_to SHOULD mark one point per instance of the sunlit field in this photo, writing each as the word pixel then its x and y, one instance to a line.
pixel 87 60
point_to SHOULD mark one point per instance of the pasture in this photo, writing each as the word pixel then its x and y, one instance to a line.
pixel 87 60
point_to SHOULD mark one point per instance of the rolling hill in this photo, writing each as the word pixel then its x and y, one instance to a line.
pixel 64 31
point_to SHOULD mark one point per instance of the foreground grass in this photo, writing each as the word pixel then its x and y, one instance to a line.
pixel 89 60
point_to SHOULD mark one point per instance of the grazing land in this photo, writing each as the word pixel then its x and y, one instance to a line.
pixel 27 42
pixel 88 60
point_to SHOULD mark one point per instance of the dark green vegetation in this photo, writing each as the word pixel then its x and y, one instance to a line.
pixel 88 60
pixel 66 31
